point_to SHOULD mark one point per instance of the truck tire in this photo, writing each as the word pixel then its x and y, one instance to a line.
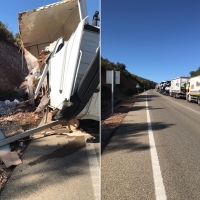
pixel 198 101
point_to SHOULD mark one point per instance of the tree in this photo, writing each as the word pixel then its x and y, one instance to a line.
pixel 5 34
pixel 120 66
pixel 18 40
pixel 195 73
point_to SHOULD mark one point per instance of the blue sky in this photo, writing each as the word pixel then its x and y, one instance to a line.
pixel 9 10
pixel 156 39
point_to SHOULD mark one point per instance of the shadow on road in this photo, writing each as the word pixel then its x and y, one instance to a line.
pixel 52 162
pixel 125 136
pixel 144 97
pixel 135 108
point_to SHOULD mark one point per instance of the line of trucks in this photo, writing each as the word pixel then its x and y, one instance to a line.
pixel 181 87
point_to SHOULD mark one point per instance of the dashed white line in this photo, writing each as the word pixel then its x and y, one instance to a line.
pixel 94 169
pixel 158 180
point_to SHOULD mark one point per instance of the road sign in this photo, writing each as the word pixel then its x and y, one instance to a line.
pixel 112 77
pixel 109 77
pixel 137 86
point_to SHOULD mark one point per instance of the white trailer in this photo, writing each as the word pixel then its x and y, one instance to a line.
pixel 194 90
pixel 178 87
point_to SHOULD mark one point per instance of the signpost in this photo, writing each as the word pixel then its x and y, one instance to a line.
pixel 112 77
pixel 137 86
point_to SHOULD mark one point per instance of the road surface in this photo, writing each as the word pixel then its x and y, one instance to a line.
pixel 60 167
pixel 155 153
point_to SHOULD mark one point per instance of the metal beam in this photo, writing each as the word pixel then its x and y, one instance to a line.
pixel 27 133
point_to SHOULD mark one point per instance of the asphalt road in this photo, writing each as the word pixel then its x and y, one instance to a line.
pixel 129 169
pixel 60 167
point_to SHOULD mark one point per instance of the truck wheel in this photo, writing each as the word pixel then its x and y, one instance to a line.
pixel 198 101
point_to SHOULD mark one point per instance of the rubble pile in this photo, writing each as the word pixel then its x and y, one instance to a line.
pixel 18 116
pixel 6 107
pixel 7 164
pixel 15 118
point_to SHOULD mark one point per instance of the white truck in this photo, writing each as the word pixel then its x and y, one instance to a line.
pixel 193 94
pixel 71 70
pixel 178 87
pixel 163 87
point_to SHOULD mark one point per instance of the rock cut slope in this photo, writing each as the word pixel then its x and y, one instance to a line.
pixel 13 69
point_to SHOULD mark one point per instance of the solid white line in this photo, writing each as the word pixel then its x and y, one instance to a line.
pixel 158 180
pixel 94 169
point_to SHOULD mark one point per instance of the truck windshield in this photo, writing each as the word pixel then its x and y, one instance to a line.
pixel 183 85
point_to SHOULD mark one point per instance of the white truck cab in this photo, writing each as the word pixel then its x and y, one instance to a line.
pixel 194 90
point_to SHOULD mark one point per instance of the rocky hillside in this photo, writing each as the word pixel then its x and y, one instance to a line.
pixel 13 69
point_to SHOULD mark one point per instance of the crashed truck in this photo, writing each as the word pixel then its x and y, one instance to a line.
pixel 62 54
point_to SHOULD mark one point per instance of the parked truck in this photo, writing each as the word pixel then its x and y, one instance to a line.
pixel 164 87
pixel 178 87
pixel 193 93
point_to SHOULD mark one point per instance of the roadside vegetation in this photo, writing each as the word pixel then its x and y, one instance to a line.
pixel 195 73
pixel 127 86
pixel 8 36
pixel 108 65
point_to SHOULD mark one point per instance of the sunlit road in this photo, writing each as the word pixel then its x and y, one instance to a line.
pixel 155 156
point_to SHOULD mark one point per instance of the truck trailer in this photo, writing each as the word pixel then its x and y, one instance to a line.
pixel 178 87
pixel 193 93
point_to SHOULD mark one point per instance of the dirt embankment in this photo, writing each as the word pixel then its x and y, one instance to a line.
pixel 12 67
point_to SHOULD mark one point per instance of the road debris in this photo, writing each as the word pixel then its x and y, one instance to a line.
pixel 10 158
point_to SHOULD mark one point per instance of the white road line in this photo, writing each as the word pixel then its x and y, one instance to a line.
pixel 184 106
pixel 94 169
pixel 158 180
